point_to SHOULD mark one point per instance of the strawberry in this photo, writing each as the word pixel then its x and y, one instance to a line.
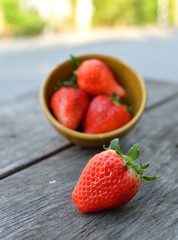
pixel 95 77
pixel 69 106
pixel 109 180
pixel 105 114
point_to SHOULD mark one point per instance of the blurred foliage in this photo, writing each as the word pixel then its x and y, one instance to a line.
pixel 21 22
pixel 171 12
pixel 107 13
pixel 73 3
pixel 116 12
pixel 71 18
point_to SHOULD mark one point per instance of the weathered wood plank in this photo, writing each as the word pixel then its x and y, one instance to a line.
pixel 158 91
pixel 26 136
pixel 36 202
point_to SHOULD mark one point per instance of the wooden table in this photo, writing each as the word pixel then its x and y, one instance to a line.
pixel 39 169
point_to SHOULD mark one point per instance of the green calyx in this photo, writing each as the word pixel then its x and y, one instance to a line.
pixel 72 82
pixel 132 156
pixel 75 61
pixel 117 100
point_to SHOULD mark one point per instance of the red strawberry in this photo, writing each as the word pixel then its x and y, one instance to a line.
pixel 105 115
pixel 69 106
pixel 109 180
pixel 95 77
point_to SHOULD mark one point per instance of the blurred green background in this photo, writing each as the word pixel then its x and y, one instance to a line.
pixel 33 17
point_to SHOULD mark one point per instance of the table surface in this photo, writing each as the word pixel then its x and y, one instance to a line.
pixel 39 169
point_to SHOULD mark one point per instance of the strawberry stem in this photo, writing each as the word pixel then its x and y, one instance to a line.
pixel 133 155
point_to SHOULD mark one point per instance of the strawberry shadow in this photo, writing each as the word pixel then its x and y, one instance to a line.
pixel 113 211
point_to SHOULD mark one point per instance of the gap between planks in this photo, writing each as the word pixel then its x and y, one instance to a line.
pixel 161 102
pixel 46 156
pixel 36 160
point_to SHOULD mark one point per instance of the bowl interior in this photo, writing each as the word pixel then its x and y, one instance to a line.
pixel 125 75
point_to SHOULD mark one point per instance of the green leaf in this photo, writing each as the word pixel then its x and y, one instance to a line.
pixel 123 156
pixel 145 166
pixel 119 153
pixel 139 164
pixel 146 178
pixel 75 61
pixel 134 152
pixel 105 148
pixel 130 110
pixel 117 99
pixel 55 88
pixel 137 169
pixel 58 86
pixel 128 163
pixel 114 144
pixel 72 82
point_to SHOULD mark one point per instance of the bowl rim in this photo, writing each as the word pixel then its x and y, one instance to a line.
pixel 87 136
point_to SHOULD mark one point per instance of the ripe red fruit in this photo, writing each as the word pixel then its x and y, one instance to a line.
pixel 69 106
pixel 95 77
pixel 105 115
pixel 109 180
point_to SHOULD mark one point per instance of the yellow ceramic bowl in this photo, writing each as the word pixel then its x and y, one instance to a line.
pixel 132 82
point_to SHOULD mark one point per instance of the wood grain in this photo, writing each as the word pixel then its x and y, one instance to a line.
pixel 25 134
pixel 158 91
pixel 26 137
pixel 36 202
